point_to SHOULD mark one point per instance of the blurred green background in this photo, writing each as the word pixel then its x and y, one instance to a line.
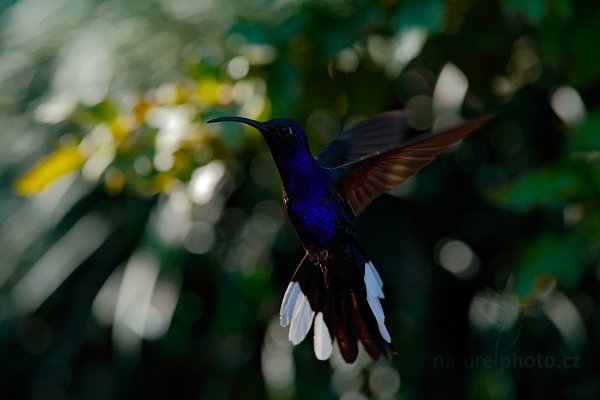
pixel 144 254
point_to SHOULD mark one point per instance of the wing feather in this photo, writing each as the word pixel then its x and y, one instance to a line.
pixel 366 178
pixel 373 135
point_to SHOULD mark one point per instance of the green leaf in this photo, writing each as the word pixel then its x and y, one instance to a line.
pixel 587 136
pixel 555 255
pixel 549 187
pixel 551 34
pixel 104 111
pixel 534 10
pixel 585 63
pixel 426 14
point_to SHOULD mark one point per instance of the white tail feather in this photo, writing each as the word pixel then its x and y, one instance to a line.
pixel 322 339
pixel 384 332
pixel 371 267
pixel 301 319
pixel 374 286
pixel 376 308
pixel 288 303
pixel 373 281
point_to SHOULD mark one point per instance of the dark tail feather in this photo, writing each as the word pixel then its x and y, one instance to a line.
pixel 345 332
pixel 347 310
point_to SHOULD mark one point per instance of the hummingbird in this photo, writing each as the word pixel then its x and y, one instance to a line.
pixel 336 287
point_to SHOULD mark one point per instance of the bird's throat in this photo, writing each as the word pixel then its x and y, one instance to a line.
pixel 298 171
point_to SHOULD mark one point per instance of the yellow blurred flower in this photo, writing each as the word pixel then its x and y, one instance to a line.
pixel 47 170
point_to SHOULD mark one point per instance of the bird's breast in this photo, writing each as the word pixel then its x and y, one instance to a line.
pixel 315 218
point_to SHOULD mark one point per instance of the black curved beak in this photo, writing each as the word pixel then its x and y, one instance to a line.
pixel 255 124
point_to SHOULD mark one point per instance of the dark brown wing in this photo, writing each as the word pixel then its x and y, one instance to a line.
pixel 374 135
pixel 362 181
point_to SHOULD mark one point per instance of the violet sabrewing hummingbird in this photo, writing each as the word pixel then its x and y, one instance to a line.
pixel 336 285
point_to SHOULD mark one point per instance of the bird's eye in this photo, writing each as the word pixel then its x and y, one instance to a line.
pixel 285 131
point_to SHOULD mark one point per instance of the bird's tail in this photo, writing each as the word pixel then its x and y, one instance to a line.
pixel 344 304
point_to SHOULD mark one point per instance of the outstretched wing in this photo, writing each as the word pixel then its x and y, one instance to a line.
pixel 365 179
pixel 373 135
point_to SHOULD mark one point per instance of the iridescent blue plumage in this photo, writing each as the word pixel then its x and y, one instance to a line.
pixel 322 197
pixel 309 198
pixel 315 215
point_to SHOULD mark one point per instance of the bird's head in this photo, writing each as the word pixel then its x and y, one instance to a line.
pixel 284 136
